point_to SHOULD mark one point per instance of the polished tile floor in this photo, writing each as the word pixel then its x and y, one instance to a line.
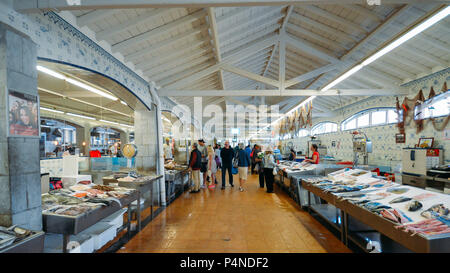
pixel 231 221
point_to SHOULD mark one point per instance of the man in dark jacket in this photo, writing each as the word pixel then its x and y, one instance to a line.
pixel 195 163
pixel 243 164
pixel 227 155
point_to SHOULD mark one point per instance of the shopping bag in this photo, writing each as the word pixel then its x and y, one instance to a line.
pixel 234 170
pixel 275 172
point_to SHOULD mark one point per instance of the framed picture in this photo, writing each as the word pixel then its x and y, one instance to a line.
pixel 400 138
pixel 23 111
pixel 426 142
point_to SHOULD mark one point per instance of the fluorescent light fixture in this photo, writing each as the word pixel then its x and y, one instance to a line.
pixel 75 82
pixel 90 88
pixel 107 121
pixel 410 34
pixel 126 125
pixel 80 116
pixel 124 103
pixel 51 110
pixel 343 77
pixel 51 72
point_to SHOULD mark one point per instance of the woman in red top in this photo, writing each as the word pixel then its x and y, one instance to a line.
pixel 315 155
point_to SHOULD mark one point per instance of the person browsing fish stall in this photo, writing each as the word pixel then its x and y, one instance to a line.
pixel 227 155
pixel 258 158
pixel 195 162
pixel 269 164
pixel 315 156
pixel 243 164
pixel 212 167
pixel 204 167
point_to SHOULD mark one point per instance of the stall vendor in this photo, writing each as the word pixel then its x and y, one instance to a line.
pixel 315 156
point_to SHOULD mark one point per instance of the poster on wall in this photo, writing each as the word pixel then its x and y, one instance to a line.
pixel 23 114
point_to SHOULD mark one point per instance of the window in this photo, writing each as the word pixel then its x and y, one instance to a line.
pixel 379 117
pixel 364 120
pixel 371 117
pixel 438 106
pixel 303 133
pixel 323 128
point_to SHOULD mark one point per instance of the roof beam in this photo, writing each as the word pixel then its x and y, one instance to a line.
pixel 333 17
pixel 215 39
pixel 184 74
pixel 365 12
pixel 325 28
pixel 94 16
pixel 149 35
pixel 283 28
pixel 138 56
pixel 253 37
pixel 311 74
pixel 316 36
pixel 287 92
pixel 194 77
pixel 250 75
pixel 155 69
pixel 250 49
pixel 39 5
pixel 173 55
pixel 183 66
pixel 310 48
pixel 143 18
pixel 265 18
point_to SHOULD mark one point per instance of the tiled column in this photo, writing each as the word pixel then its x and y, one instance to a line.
pixel 20 184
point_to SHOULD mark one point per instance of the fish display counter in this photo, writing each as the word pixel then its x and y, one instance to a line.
pixel 291 174
pixel 144 185
pixel 75 209
pixel 365 208
pixel 18 240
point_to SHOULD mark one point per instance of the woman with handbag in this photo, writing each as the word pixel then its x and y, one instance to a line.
pixel 269 166
pixel 212 167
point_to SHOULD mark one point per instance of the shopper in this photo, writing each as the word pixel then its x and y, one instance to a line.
pixel 212 167
pixel 252 158
pixel 227 155
pixel 243 164
pixel 258 158
pixel 292 155
pixel 269 165
pixel 218 160
pixel 315 156
pixel 195 163
pixel 204 167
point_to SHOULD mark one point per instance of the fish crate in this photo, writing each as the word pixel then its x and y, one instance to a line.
pixel 115 219
pixel 53 243
pixel 101 233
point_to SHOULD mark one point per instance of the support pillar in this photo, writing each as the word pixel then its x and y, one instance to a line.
pixel 20 183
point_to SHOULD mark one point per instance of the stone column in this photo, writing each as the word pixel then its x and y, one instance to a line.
pixel 20 184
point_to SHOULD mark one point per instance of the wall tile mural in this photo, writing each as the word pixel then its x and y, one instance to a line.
pixel 58 40
pixel 385 151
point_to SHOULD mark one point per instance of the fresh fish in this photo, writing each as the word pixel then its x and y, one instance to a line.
pixel 400 199
pixel 398 190
pixel 414 205
pixel 436 211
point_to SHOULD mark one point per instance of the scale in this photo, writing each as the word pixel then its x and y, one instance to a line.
pixel 129 151
pixel 361 146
